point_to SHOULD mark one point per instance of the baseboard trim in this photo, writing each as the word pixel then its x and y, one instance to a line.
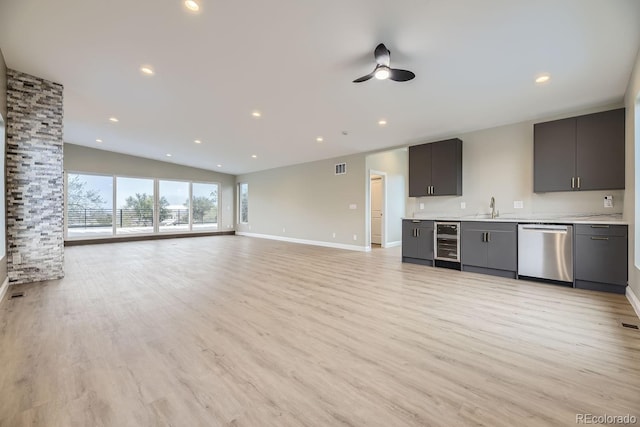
pixel 3 288
pixel 633 299
pixel 304 241
pixel 393 244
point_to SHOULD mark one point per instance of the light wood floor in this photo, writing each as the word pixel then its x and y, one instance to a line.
pixel 246 332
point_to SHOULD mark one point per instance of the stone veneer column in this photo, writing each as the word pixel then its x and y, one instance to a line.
pixel 35 195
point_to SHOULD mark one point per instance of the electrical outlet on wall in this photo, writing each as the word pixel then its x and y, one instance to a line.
pixel 518 204
pixel 355 237
pixel 421 206
pixel 608 201
pixel 334 235
pixel 463 205
pixel 284 230
pixel 353 206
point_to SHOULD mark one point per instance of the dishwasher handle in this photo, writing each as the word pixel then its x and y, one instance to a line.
pixel 557 229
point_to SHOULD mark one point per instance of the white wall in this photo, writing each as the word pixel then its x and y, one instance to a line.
pixel 632 136
pixel 499 162
pixel 395 163
pixel 85 159
pixel 309 202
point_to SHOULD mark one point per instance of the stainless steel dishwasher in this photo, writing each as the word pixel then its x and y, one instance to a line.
pixel 545 251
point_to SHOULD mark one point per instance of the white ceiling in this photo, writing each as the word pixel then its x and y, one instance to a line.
pixel 294 61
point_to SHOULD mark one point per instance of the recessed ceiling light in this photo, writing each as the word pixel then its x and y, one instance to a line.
pixel 219 166
pixel 254 156
pixel 113 119
pixel 543 78
pixel 197 141
pixel 192 5
pixel 168 155
pixel 98 140
pixel 319 139
pixel 382 122
pixel 256 114
pixel 147 70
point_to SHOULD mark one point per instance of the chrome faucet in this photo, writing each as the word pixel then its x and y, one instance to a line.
pixel 492 205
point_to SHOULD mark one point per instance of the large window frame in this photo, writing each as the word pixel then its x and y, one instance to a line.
pixel 156 204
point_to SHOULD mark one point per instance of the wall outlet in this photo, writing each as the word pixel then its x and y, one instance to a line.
pixel 463 205
pixel 421 206
pixel 249 227
pixel 17 259
pixel 284 230
pixel 518 204
pixel 608 201
pixel 334 235
pixel 353 206
pixel 355 237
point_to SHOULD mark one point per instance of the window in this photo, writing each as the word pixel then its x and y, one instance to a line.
pixel 173 206
pixel 135 202
pixel 89 205
pixel 205 206
pixel 243 202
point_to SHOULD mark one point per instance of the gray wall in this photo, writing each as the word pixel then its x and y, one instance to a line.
pixel 35 234
pixel 631 208
pixel 85 159
pixel 3 113
pixel 309 202
pixel 395 163
pixel 499 162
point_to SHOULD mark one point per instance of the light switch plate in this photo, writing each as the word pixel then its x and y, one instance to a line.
pixel 421 206
pixel 463 205
pixel 353 206
pixel 518 204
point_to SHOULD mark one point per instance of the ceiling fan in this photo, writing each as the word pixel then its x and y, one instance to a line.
pixel 383 71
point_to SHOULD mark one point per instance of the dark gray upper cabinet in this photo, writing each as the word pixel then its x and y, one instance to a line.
pixel 600 150
pixel 490 245
pixel 580 153
pixel 435 169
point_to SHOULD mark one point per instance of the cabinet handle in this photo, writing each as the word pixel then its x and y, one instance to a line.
pixel 488 236
pixel 578 183
pixel 599 238
pixel 573 182
pixel 415 232
pixel 484 237
pixel 418 230
pixel 599 226
pixel 433 191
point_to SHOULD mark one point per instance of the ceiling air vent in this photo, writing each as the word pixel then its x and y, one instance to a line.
pixel 341 169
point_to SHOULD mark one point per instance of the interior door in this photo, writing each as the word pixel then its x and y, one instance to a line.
pixel 376 210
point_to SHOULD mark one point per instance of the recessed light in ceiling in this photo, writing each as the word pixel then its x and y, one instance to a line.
pixel 319 139
pixel 219 166
pixel 147 70
pixel 256 114
pixel 113 119
pixel 168 155
pixel 254 156
pixel 382 122
pixel 192 5
pixel 197 141
pixel 543 78
pixel 98 140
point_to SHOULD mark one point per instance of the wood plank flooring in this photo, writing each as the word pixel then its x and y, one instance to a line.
pixel 218 331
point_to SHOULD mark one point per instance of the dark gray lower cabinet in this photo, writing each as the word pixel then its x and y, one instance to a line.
pixel 417 241
pixel 601 257
pixel 490 248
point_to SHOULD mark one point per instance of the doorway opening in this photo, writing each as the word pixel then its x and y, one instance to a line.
pixel 377 209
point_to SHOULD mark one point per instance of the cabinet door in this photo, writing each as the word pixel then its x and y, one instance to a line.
pixel 554 155
pixel 409 240
pixel 473 248
pixel 502 253
pixel 425 240
pixel 601 259
pixel 600 150
pixel 419 170
pixel 446 169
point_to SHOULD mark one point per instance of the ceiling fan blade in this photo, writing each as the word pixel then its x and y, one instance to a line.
pixel 401 75
pixel 382 55
pixel 363 78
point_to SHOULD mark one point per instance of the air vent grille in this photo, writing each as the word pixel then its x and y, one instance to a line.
pixel 341 169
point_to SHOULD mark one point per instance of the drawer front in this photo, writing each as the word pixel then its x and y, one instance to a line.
pixel 601 230
pixel 601 259
pixel 489 226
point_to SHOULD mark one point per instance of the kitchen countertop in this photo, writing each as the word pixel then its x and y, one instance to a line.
pixel 615 219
